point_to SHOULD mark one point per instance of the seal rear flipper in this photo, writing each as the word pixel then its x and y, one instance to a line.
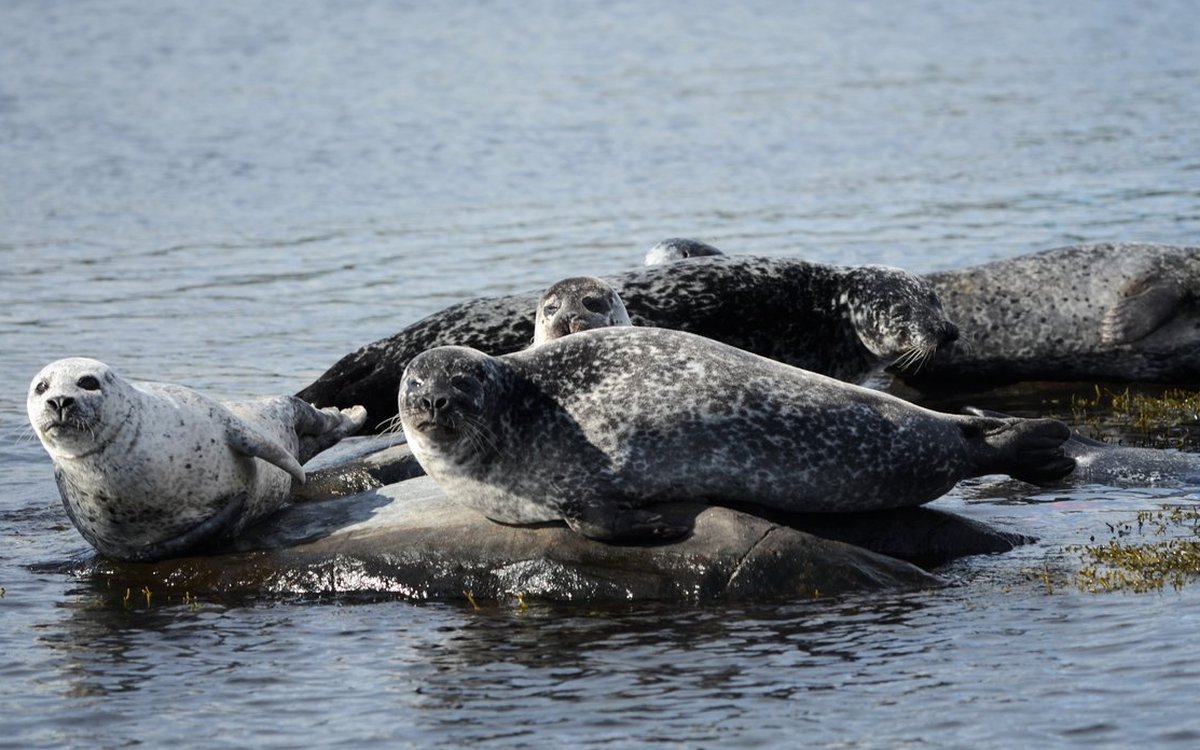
pixel 1147 304
pixel 320 429
pixel 247 440
pixel 612 523
pixel 211 530
pixel 1027 449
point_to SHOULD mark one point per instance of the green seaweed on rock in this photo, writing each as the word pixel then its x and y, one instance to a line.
pixel 1120 564
pixel 1167 419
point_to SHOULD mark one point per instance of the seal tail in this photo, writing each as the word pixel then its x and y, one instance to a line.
pixel 1027 449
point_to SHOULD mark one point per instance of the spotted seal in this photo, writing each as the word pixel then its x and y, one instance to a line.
pixel 595 426
pixel 1124 312
pixel 842 321
pixel 577 304
pixel 153 470
pixel 1108 311
pixel 678 248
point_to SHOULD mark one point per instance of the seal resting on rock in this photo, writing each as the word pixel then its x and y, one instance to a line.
pixel 842 321
pixel 577 304
pixel 1124 312
pixel 153 470
pixel 1112 311
pixel 594 427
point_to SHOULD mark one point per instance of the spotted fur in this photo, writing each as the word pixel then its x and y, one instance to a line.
pixel 151 470
pixel 1126 312
pixel 594 427
pixel 845 322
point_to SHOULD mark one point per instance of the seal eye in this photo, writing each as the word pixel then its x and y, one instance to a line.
pixel 594 304
pixel 549 309
pixel 88 383
pixel 463 384
pixel 41 387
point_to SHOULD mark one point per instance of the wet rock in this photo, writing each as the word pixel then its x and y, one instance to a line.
pixel 409 539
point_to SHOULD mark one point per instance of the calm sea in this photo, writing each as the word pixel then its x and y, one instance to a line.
pixel 233 195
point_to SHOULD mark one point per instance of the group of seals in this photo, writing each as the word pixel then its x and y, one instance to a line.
pixel 594 427
pixel 153 470
pixel 842 321
pixel 1106 311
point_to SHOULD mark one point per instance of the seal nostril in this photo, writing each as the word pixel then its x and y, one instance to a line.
pixel 60 402
pixel 425 402
pixel 949 333
pixel 440 403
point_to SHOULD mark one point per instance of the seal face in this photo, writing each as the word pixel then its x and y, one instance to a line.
pixel 151 470
pixel 835 320
pixel 1127 312
pixel 578 304
pixel 594 427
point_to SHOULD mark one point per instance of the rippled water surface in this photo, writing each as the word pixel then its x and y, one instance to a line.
pixel 234 195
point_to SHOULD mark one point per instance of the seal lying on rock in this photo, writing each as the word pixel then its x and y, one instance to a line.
pixel 593 427
pixel 845 322
pixel 152 470
pixel 1124 311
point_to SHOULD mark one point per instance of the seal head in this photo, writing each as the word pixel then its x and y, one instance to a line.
pixel 678 248
pixel 578 304
pixel 897 315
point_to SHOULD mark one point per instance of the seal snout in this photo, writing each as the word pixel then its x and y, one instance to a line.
pixel 59 405
pixel 948 334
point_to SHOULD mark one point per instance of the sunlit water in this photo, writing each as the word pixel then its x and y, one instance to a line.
pixel 234 195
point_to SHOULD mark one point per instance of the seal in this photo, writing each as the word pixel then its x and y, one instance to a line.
pixel 1123 312
pixel 678 248
pixel 152 470
pixel 580 303
pixel 594 427
pixel 1096 312
pixel 843 321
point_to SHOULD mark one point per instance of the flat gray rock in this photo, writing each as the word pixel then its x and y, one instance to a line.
pixel 408 539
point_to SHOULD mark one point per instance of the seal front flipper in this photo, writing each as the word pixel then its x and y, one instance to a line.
pixel 1146 305
pixel 609 522
pixel 245 439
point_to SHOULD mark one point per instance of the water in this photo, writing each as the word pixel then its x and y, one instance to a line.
pixel 233 196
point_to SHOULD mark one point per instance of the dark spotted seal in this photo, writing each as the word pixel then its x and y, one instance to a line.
pixel 577 304
pixel 593 427
pixel 842 321
pixel 1124 312
pixel 151 470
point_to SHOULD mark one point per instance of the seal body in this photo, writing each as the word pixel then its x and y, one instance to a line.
pixel 1124 312
pixel 594 427
pixel 577 304
pixel 153 470
pixel 842 321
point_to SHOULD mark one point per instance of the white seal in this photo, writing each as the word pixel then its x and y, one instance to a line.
pixel 153 470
